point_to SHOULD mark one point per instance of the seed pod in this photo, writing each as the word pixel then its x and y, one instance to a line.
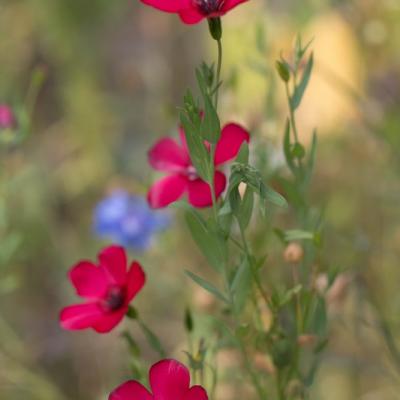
pixel 293 253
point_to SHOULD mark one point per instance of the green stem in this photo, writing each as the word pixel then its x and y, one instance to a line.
pixel 291 114
pixel 212 183
pixel 152 339
pixel 219 65
pixel 279 386
pixel 256 277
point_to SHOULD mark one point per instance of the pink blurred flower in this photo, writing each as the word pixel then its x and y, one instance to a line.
pixel 169 156
pixel 169 380
pixel 7 117
pixel 193 11
pixel 108 289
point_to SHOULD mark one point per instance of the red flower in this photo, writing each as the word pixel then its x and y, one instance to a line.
pixel 193 11
pixel 169 156
pixel 7 117
pixel 108 289
pixel 169 380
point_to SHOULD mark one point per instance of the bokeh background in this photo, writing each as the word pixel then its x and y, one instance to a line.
pixel 115 73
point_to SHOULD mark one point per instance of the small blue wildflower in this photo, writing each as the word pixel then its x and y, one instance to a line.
pixel 128 220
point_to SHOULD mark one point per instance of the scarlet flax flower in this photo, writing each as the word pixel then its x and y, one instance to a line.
pixel 7 117
pixel 108 288
pixel 169 380
pixel 193 11
pixel 169 156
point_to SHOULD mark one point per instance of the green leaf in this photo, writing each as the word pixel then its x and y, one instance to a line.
pixel 210 242
pixel 152 339
pixel 298 234
pixel 241 285
pixel 133 346
pixel 280 234
pixel 320 320
pixel 288 296
pixel 302 86
pixel 211 126
pixel 243 155
pixel 253 178
pixel 246 209
pixel 198 152
pixel 272 196
pixel 207 286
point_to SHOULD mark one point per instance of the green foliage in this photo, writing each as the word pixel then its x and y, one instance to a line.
pixel 208 238
pixel 209 287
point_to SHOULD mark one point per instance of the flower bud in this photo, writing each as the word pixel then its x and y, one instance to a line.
pixel 293 253
pixel 283 70
pixel 242 189
pixel 7 117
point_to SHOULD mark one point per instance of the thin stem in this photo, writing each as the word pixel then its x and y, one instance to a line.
pixel 219 65
pixel 299 314
pixel 253 271
pixel 279 387
pixel 291 115
pixel 212 183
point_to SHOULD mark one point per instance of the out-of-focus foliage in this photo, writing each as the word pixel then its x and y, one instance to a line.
pixel 114 72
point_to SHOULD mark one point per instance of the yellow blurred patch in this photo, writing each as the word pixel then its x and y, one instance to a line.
pixel 330 100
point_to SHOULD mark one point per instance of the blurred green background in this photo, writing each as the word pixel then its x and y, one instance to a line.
pixel 115 73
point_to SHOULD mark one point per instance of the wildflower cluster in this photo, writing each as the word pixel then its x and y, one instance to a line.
pixel 220 209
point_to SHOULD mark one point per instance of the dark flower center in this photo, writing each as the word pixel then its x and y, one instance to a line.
pixel 114 299
pixel 207 7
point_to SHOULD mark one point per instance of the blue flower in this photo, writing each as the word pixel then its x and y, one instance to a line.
pixel 127 220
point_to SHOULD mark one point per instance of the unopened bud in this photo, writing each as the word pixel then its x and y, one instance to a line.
pixel 283 70
pixel 242 189
pixel 293 253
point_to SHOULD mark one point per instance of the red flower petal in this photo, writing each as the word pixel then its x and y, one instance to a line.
pixel 166 190
pixel 89 280
pixel 191 15
pixel 80 316
pixel 169 380
pixel 107 322
pixel 228 146
pixel 113 260
pixel 130 390
pixel 196 393
pixel 166 155
pixel 229 4
pixel 200 193
pixel 136 280
pixel 168 5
